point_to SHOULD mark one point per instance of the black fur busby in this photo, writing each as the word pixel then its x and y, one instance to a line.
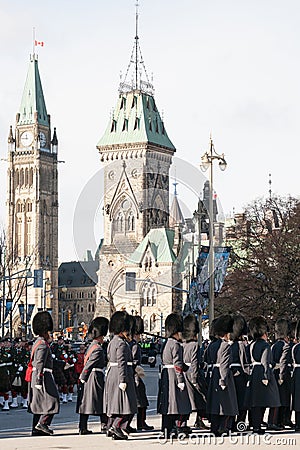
pixel 239 327
pixel 98 327
pixel 282 328
pixel 139 325
pixel 173 324
pixel 212 333
pixel 119 322
pixel 42 323
pixel 190 327
pixel 223 325
pixel 258 326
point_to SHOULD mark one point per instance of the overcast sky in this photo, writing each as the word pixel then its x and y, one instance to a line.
pixel 230 67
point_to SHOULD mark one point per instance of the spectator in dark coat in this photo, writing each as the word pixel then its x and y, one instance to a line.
pixel 90 395
pixel 43 394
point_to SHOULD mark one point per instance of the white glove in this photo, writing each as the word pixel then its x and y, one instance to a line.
pixel 265 382
pixel 20 369
pixel 123 386
pixel 53 356
pixel 82 381
pixel 223 387
pixel 38 387
pixel 280 382
pixel 181 386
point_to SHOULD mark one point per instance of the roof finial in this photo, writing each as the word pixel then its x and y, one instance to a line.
pixel 175 184
pixel 270 186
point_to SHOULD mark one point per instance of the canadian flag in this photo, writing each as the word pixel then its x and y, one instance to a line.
pixel 41 43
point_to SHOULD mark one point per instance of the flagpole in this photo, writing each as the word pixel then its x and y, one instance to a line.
pixel 33 42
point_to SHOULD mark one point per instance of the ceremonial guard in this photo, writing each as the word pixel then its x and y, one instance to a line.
pixel 296 377
pixel 140 388
pixel 282 358
pixel 119 391
pixel 78 366
pixel 90 390
pixel 240 365
pixel 57 349
pixel 222 403
pixel 262 391
pixel 194 377
pixel 173 398
pixel 43 394
pixel 21 356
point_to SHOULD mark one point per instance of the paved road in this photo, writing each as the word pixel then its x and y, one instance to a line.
pixel 17 422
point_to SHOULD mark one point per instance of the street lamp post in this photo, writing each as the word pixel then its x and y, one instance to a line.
pixel 207 163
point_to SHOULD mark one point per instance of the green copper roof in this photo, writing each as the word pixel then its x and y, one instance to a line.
pixel 136 120
pixel 33 98
pixel 161 242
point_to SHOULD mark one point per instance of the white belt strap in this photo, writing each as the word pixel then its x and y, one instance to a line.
pixel 97 369
pixel 115 364
pixel 216 365
pixel 188 364
pixel 44 370
pixel 256 363
pixel 296 365
pixel 235 365
pixel 168 366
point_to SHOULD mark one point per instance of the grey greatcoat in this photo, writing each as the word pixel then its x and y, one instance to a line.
pixel 171 400
pixel 90 395
pixel 282 359
pixel 240 367
pixel 120 370
pixel 140 389
pixel 296 378
pixel 195 380
pixel 259 394
pixel 46 400
pixel 221 401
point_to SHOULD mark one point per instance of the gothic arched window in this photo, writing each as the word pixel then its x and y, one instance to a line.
pixel 30 177
pixel 22 177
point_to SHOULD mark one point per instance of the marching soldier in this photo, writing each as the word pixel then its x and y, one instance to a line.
pixel 140 388
pixel 222 403
pixel 281 352
pixel 194 377
pixel 296 377
pixel 90 394
pixel 239 365
pixel 43 394
pixel 119 391
pixel 173 398
pixel 263 390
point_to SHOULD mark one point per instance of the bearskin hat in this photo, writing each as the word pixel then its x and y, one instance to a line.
pixel 98 327
pixel 173 324
pixel 139 325
pixel 282 328
pixel 239 327
pixel 190 327
pixel 119 322
pixel 42 323
pixel 212 333
pixel 223 325
pixel 258 326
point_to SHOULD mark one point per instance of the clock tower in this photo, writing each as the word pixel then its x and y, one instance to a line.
pixel 32 193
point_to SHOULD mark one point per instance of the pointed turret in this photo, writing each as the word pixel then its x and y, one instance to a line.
pixel 176 216
pixel 33 108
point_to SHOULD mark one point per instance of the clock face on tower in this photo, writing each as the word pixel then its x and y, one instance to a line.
pixel 26 138
pixel 43 139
